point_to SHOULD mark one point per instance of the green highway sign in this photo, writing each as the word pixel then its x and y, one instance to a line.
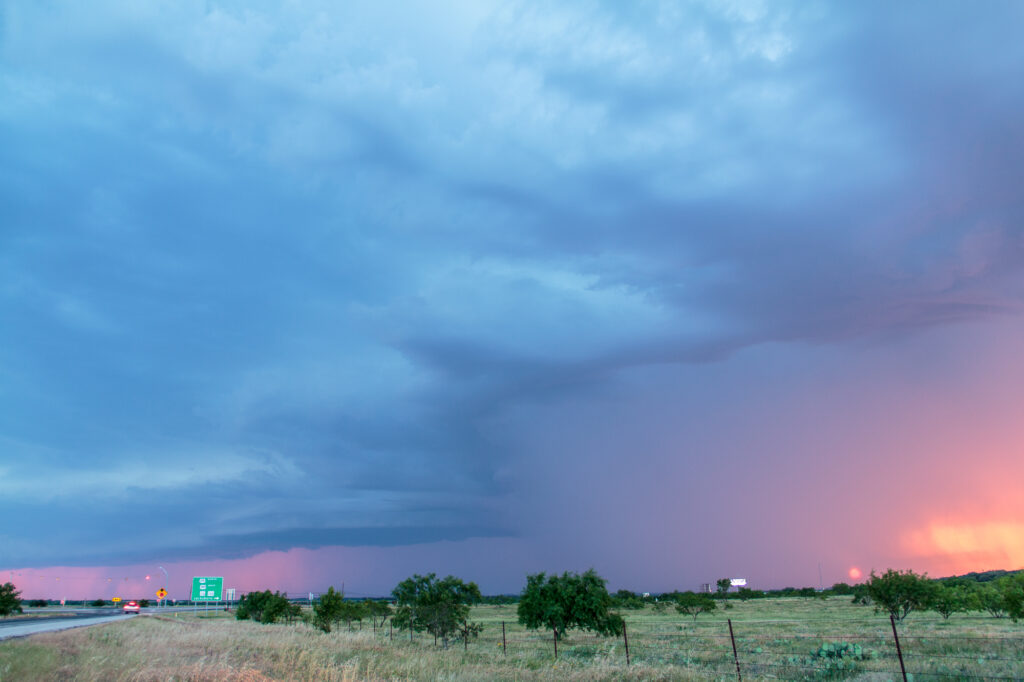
pixel 207 589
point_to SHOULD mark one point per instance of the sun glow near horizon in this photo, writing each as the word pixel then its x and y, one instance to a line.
pixel 963 547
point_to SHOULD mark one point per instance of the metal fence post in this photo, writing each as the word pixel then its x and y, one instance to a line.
pixel 899 651
pixel 625 638
pixel 504 646
pixel 554 632
pixel 735 656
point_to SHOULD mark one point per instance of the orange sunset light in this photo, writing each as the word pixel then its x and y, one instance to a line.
pixel 855 573
pixel 971 546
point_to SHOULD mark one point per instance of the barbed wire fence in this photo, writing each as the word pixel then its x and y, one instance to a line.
pixel 780 649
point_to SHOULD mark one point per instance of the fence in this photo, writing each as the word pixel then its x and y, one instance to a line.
pixel 766 649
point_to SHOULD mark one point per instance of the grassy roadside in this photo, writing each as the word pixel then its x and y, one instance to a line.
pixel 775 639
pixel 33 615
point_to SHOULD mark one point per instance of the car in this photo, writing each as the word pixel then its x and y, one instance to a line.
pixel 131 607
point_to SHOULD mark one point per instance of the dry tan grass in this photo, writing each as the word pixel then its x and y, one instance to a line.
pixel 664 647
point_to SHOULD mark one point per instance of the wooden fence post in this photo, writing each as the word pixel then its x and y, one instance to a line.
pixel 735 656
pixel 899 651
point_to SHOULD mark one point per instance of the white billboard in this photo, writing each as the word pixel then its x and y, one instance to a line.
pixel 738 582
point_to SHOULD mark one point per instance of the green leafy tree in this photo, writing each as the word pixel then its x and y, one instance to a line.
pixel 1012 589
pixel 947 600
pixel 267 607
pixel 38 603
pixel 351 612
pixel 693 604
pixel 841 589
pixel 624 599
pixel 97 603
pixel 144 603
pixel 328 610
pixel 563 602
pixel 440 607
pixel 745 593
pixel 377 611
pixel 10 600
pixel 990 599
pixel 900 592
pixel 722 586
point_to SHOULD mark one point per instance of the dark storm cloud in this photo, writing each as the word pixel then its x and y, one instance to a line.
pixel 267 284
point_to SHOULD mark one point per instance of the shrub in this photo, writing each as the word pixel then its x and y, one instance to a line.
pixel 266 607
pixel 834 660
pixel 10 601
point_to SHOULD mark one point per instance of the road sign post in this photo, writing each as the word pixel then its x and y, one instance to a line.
pixel 206 590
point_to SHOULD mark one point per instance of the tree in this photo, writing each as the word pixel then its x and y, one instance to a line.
pixel 266 607
pixel 900 592
pixel 745 593
pixel 352 611
pixel 38 603
pixel 723 585
pixel 990 598
pixel 1012 589
pixel 624 599
pixel 97 603
pixel 563 602
pixel 377 611
pixel 440 607
pixel 10 600
pixel 328 610
pixel 693 604
pixel 144 603
pixel 947 600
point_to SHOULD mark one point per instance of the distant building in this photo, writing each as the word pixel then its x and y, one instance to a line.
pixel 706 587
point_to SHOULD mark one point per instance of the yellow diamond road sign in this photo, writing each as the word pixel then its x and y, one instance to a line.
pixel 161 593
pixel 116 599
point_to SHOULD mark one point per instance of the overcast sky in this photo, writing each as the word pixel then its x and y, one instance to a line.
pixel 312 291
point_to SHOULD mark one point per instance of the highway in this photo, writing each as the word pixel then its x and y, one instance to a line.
pixel 22 627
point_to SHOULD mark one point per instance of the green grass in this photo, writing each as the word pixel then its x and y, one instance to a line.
pixel 775 639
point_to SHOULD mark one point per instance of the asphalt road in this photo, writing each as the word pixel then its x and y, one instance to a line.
pixel 31 626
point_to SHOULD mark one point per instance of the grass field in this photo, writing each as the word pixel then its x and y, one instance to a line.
pixel 775 639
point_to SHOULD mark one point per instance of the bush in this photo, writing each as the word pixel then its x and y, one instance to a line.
pixel 834 660
pixel 38 603
pixel 97 603
pixel 10 601
pixel 266 607
pixel 624 599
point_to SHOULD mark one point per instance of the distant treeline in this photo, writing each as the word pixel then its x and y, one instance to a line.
pixel 632 600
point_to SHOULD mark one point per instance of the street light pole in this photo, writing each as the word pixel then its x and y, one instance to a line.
pixel 166 581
